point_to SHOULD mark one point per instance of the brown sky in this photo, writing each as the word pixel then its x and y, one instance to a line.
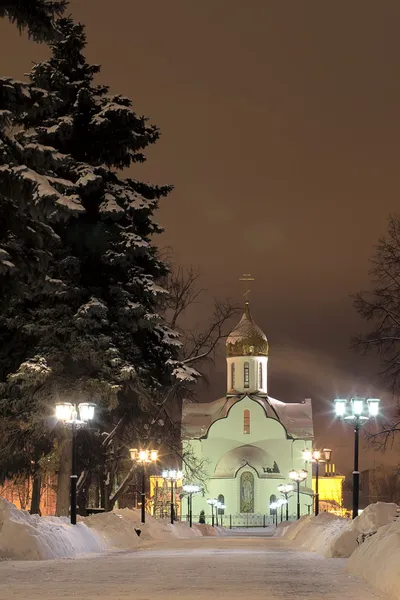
pixel 281 130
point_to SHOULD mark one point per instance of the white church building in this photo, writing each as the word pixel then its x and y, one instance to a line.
pixel 248 440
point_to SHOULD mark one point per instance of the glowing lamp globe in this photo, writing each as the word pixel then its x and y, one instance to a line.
pixel 357 406
pixel 64 411
pixel 373 406
pixel 86 411
pixel 340 407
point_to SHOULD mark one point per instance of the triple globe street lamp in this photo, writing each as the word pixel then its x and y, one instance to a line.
pixel 285 489
pixel 213 502
pixel 173 476
pixel 143 458
pixel 298 477
pixel 280 503
pixel 356 412
pixel 190 489
pixel 75 417
pixel 317 456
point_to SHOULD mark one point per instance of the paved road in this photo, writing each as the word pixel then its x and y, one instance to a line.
pixel 222 568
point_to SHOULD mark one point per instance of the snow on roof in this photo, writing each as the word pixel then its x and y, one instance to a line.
pixel 295 417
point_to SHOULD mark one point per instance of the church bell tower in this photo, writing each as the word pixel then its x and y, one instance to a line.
pixel 247 357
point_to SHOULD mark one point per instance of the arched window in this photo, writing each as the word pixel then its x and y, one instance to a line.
pixel 272 498
pixel 246 421
pixel 260 376
pixel 221 511
pixel 233 376
pixel 246 375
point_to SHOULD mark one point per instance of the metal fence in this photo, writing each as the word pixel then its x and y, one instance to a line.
pixel 246 520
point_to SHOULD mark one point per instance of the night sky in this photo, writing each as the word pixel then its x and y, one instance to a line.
pixel 280 131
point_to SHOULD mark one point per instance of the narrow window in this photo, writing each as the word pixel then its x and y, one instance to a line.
pixel 246 375
pixel 233 376
pixel 221 498
pixel 260 376
pixel 272 499
pixel 246 421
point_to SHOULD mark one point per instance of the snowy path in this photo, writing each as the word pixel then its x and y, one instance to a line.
pixel 196 569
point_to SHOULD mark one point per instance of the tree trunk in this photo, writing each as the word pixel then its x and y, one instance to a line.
pixel 36 488
pixel 64 476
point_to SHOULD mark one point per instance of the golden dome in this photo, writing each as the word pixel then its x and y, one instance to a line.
pixel 247 339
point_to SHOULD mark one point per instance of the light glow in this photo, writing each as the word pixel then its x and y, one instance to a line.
pixel 143 455
pixel 191 488
pixel 340 407
pixel 285 488
pixel 64 411
pixel 357 406
pixel 373 407
pixel 298 475
pixel 86 411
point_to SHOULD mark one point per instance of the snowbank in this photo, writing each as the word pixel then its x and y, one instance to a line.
pixel 377 559
pixel 30 537
pixel 335 537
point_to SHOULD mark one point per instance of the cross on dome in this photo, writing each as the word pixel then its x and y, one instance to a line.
pixel 247 339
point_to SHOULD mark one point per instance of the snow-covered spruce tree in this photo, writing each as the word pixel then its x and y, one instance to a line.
pixel 98 334
pixel 36 16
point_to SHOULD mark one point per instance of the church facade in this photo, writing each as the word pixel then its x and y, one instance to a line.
pixel 247 440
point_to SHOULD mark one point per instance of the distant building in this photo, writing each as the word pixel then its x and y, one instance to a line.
pixel 249 440
pixel 330 487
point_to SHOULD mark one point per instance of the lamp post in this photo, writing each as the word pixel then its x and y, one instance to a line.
pixel 143 458
pixel 173 476
pixel 298 477
pixel 190 490
pixel 212 502
pixel 75 417
pixel 281 503
pixel 357 414
pixel 220 506
pixel 317 456
pixel 274 506
pixel 285 489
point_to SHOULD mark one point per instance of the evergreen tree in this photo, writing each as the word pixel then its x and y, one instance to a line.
pixel 37 16
pixel 90 326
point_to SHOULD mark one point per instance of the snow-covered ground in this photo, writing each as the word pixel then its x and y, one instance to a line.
pixel 200 568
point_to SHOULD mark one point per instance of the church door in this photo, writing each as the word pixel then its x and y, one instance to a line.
pixel 247 492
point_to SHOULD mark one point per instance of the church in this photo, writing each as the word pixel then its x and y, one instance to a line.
pixel 247 440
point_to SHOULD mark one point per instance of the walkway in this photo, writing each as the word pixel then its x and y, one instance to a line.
pixel 245 568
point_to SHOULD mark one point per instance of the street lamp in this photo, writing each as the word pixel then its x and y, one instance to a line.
pixel 357 414
pixel 75 417
pixel 212 502
pixel 281 503
pixel 285 489
pixel 143 458
pixel 220 506
pixel 190 490
pixel 274 506
pixel 173 476
pixel 298 477
pixel 317 456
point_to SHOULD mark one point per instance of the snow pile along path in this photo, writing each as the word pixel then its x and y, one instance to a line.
pixel 335 537
pixel 30 537
pixel 377 559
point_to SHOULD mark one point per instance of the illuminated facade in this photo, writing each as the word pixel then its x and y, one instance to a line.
pixel 248 440
pixel 159 502
pixel 330 488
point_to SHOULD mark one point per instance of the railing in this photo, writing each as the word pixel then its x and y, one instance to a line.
pixel 245 520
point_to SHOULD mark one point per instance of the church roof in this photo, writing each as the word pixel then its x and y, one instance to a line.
pixel 295 417
pixel 247 339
